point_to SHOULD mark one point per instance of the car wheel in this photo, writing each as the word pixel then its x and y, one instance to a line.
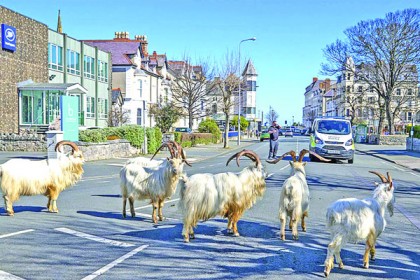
pixel 312 158
pixel 350 161
pixel 261 140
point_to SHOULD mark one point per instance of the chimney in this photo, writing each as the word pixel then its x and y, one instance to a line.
pixel 314 79
pixel 122 35
pixel 143 43
pixel 327 84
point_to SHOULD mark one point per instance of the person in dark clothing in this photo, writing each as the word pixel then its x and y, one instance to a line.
pixel 274 138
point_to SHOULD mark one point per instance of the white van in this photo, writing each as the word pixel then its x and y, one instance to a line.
pixel 332 137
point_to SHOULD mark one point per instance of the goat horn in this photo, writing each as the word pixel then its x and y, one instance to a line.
pixel 180 152
pixel 292 153
pixel 69 143
pixel 389 180
pixel 170 148
pixel 248 153
pixel 316 155
pixel 383 179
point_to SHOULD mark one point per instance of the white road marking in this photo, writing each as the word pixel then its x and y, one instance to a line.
pixel 150 217
pixel 7 276
pixel 146 206
pixel 284 167
pixel 15 233
pixel 114 263
pixel 414 174
pixel 94 238
pixel 100 177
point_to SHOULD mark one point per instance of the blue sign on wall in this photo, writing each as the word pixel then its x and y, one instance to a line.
pixel 8 37
pixel 69 117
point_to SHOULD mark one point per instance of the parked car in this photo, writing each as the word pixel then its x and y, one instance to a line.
pixel 288 133
pixel 183 129
pixel 264 135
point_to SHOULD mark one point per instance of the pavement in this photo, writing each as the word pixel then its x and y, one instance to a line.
pixel 393 153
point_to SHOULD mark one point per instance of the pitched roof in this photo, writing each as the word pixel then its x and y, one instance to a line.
pixel 249 69
pixel 120 50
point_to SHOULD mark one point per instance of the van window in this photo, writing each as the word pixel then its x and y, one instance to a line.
pixel 333 127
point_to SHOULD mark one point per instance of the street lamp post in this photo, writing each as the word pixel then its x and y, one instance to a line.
pixel 239 89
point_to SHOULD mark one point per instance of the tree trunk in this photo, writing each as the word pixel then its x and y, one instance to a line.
pixel 190 120
pixel 226 142
pixel 389 116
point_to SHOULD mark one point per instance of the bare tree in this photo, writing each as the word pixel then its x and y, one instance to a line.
pixel 385 52
pixel 190 88
pixel 225 87
pixel 271 115
pixel 118 116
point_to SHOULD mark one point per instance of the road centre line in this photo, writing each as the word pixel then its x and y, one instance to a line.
pixel 146 206
pixel 15 233
pixel 94 238
pixel 414 174
pixel 7 276
pixel 114 263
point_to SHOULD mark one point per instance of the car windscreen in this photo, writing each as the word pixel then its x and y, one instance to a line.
pixel 333 127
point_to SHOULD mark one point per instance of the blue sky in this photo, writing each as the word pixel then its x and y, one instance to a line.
pixel 290 34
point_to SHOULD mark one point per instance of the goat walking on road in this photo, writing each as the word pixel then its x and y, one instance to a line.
pixel 355 220
pixel 156 180
pixel 294 196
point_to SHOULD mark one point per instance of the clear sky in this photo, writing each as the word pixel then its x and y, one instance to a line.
pixel 290 34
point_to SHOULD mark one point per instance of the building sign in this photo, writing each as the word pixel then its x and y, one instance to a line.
pixel 69 117
pixel 8 37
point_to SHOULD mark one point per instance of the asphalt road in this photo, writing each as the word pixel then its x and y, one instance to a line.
pixel 89 239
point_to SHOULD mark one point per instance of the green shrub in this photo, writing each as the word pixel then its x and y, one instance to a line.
pixel 177 136
pixel 416 131
pixel 92 135
pixel 210 126
pixel 154 139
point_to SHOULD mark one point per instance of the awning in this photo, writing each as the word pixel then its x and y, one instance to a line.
pixel 69 88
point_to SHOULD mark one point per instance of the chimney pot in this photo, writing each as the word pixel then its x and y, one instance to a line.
pixel 314 79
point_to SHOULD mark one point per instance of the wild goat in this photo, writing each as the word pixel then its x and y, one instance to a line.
pixel 204 196
pixel 294 196
pixel 355 220
pixel 156 182
pixel 48 177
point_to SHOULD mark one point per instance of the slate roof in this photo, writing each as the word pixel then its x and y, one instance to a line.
pixel 249 69
pixel 120 50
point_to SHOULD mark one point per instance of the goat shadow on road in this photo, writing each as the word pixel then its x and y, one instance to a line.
pixel 20 209
pixel 113 215
pixel 259 251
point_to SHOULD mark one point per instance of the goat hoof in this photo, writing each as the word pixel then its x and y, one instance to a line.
pixel 304 229
pixel 124 216
pixel 341 265
pixel 326 273
pixel 366 265
pixel 236 234
pixel 10 213
pixel 161 218
pixel 295 237
pixel 283 237
pixel 192 236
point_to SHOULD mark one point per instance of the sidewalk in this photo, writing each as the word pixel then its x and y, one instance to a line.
pixel 395 154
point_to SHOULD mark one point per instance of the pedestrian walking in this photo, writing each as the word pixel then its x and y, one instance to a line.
pixel 274 138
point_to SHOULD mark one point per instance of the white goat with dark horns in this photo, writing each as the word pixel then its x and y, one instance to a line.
pixel 157 181
pixel 355 220
pixel 204 196
pixel 294 196
pixel 48 177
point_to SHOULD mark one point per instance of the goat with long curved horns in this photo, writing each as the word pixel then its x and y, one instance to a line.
pixel 228 194
pixel 48 177
pixel 353 220
pixel 294 195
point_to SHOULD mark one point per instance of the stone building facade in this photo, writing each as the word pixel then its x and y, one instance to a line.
pixel 28 62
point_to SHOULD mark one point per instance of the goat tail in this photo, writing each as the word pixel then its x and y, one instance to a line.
pixel 332 217
pixel 183 179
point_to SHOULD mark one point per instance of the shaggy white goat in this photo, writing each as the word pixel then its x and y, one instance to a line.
pixel 156 182
pixel 355 220
pixel 48 177
pixel 204 196
pixel 294 195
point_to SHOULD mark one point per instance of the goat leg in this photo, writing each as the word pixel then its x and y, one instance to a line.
pixel 154 207
pixel 160 205
pixel 369 245
pixel 185 232
pixel 124 213
pixel 8 205
pixel 305 214
pixel 132 211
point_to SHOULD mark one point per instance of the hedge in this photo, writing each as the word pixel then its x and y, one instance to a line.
pixel 416 130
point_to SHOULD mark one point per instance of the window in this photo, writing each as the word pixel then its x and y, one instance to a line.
pixel 55 57
pixel 348 112
pixel 73 64
pixel 139 116
pixel 348 76
pixel 410 91
pixel 166 95
pixel 398 91
pixel 348 88
pixel 102 108
pixel 202 105
pixel 102 71
pixel 251 85
pixel 89 67
pixel 90 107
pixel 371 99
pixel 409 116
pixel 141 88
pixel 360 89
